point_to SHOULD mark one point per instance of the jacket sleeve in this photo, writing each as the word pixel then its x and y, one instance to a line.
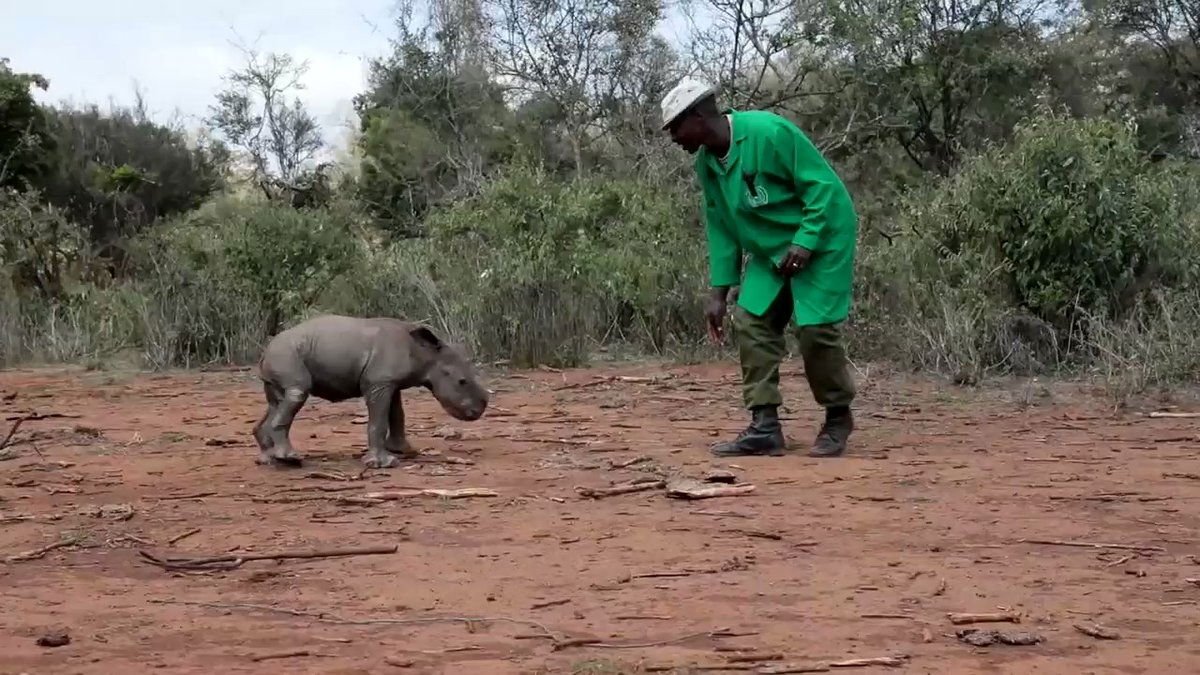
pixel 724 253
pixel 800 160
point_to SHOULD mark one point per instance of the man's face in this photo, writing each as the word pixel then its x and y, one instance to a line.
pixel 687 131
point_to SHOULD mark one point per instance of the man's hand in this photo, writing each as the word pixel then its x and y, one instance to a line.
pixel 714 314
pixel 794 260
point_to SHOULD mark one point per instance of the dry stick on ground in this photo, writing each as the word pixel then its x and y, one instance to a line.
pixel 4 520
pixel 660 575
pixel 280 655
pixel 183 535
pixel 625 463
pixel 959 618
pixel 228 562
pixel 889 661
pixel 317 488
pixel 1175 415
pixel 325 475
pixel 323 617
pixel 760 534
pixel 600 492
pixel 461 493
pixel 16 425
pixel 701 668
pixel 752 657
pixel 588 642
pixel 723 514
pixel 1088 544
pixel 39 552
pixel 795 668
pixel 549 603
pixel 643 617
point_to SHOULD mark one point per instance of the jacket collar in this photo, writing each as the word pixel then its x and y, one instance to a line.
pixel 705 157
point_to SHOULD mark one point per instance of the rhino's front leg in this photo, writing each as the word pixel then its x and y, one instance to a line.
pixel 379 404
pixel 397 442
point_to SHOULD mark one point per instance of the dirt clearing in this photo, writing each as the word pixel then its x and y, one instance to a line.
pixel 950 502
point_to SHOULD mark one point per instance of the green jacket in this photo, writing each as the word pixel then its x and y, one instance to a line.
pixel 777 190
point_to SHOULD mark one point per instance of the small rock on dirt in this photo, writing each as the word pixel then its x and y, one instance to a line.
pixel 90 432
pixel 56 638
pixel 108 511
pixel 720 476
pixel 1097 631
pixel 986 638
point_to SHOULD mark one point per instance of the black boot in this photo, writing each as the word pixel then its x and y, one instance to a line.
pixel 831 440
pixel 764 436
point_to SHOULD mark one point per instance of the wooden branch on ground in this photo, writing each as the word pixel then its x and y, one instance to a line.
pixel 280 655
pixel 229 562
pixel 598 644
pixel 1088 544
pixel 324 617
pixel 183 535
pixel 461 493
pixel 41 551
pixel 959 618
pixel 823 667
pixel 16 425
pixel 622 489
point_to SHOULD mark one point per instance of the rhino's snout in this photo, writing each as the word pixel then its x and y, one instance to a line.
pixel 463 399
pixel 467 410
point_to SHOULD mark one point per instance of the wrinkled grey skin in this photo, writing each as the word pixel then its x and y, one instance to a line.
pixel 337 358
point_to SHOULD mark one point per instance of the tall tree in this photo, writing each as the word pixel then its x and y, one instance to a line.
pixel 433 122
pixel 258 113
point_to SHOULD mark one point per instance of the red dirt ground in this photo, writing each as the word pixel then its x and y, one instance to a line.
pixel 924 517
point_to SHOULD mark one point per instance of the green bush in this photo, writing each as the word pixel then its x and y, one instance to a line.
pixel 1009 265
pixel 1071 217
pixel 540 270
pixel 219 282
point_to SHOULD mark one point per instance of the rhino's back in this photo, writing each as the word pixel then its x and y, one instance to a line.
pixel 329 351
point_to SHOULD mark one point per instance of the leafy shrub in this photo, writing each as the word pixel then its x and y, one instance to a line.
pixel 1071 217
pixel 539 269
pixel 1007 265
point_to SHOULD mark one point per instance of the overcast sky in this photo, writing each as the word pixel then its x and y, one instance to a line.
pixel 177 50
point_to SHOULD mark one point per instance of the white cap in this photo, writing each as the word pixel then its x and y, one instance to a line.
pixel 685 94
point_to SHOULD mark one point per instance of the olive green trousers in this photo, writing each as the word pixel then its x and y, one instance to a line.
pixel 762 344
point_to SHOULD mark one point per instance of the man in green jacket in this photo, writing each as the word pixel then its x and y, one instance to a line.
pixel 770 195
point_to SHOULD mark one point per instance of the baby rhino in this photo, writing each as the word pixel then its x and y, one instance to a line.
pixel 340 357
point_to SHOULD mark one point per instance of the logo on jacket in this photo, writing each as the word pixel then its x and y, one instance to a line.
pixel 755 195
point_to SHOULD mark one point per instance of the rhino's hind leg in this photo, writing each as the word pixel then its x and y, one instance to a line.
pixel 379 408
pixel 397 442
pixel 279 427
pixel 261 436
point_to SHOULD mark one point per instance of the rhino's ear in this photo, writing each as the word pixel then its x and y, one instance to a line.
pixel 425 336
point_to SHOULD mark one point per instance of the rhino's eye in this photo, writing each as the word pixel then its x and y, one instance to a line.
pixel 462 381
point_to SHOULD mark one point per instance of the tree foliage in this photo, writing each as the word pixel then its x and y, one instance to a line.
pixel 116 173
pixel 24 135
